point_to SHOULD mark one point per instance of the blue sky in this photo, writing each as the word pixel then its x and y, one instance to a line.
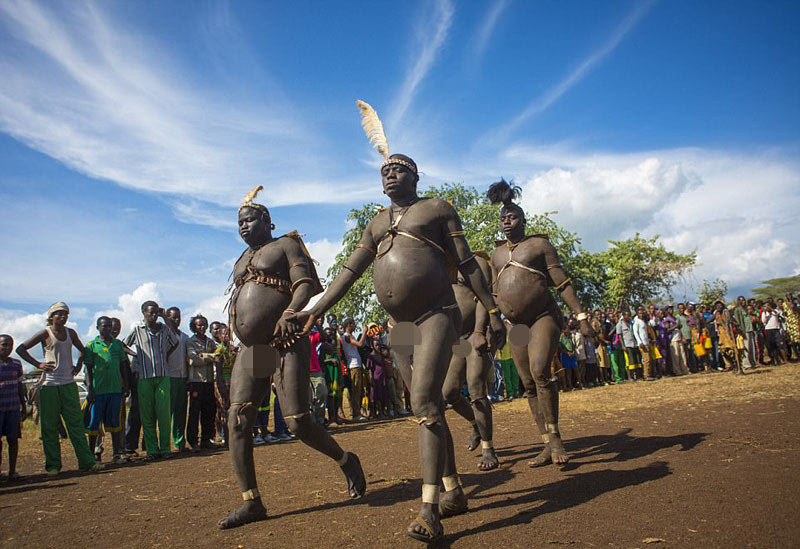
pixel 131 130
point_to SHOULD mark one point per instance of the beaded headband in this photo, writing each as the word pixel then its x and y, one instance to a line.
pixel 400 161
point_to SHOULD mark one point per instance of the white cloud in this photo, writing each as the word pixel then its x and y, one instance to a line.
pixel 555 92
pixel 128 309
pixel 489 22
pixel 113 103
pixel 737 209
pixel 430 37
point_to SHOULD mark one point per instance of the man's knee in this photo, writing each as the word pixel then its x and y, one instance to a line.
pixel 477 391
pixel 241 417
pixel 451 395
pixel 425 410
pixel 299 425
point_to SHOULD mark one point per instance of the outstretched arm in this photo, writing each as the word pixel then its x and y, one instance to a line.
pixel 354 267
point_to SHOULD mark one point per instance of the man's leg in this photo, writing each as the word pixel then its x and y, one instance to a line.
pixel 163 410
pixel 146 389
pixel 208 412
pixel 438 334
pixel 194 414
pixel 178 400
pixel 118 436
pixel 247 392
pixel 319 393
pixel 49 420
pixel 451 390
pixel 73 421
pixel 478 366
pixel 356 389
pixel 647 363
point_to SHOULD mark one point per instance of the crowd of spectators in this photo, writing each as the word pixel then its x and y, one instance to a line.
pixel 162 392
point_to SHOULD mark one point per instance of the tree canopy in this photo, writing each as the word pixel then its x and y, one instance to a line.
pixel 778 287
pixel 633 270
pixel 712 290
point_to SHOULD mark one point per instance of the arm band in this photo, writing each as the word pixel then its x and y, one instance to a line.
pixel 563 285
pixel 362 246
pixel 301 280
pixel 553 266
pixel 350 269
pixel 470 258
pixel 299 264
pixel 455 233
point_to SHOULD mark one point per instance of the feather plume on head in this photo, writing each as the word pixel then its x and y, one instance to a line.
pixel 373 128
pixel 247 201
pixel 501 192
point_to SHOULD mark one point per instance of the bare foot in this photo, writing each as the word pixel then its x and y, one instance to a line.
pixel 488 460
pixel 453 503
pixel 474 439
pixel 557 452
pixel 543 458
pixel 426 527
pixel 251 511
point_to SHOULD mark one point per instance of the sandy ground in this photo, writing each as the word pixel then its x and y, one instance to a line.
pixel 699 461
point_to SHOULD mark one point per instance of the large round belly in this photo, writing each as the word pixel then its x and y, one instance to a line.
pixel 409 281
pixel 521 295
pixel 256 311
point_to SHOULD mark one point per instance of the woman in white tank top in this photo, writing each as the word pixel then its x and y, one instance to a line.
pixel 58 396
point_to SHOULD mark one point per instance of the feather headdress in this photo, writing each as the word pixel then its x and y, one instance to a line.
pixel 373 128
pixel 247 201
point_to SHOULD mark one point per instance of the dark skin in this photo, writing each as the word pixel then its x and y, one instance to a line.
pixel 473 368
pixel 151 314
pixel 411 279
pixel 6 346
pixel 260 314
pixel 524 299
pixel 59 328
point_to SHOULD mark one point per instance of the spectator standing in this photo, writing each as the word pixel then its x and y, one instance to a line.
pixel 154 344
pixel 509 371
pixel 686 337
pixel 351 345
pixel 643 342
pixel 104 359
pixel 772 327
pixel 316 378
pixel 224 357
pixel 328 356
pixel 12 405
pixel 677 348
pixel 632 354
pixel 178 364
pixel 202 404
pixel 59 393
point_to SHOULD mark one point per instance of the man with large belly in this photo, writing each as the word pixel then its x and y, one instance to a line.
pixel 273 278
pixel 418 245
pixel 473 364
pixel 523 269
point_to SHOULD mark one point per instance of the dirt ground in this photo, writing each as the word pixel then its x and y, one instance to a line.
pixel 699 461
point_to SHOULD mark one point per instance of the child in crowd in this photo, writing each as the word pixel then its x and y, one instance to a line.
pixel 567 354
pixel 12 405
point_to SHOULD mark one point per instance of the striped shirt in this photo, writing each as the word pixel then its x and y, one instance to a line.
pixel 10 378
pixel 151 350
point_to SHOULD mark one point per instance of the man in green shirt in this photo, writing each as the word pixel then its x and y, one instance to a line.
pixel 743 323
pixel 104 358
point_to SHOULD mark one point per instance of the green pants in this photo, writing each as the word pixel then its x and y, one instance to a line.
pixel 154 408
pixel 179 399
pixel 618 365
pixel 510 378
pixel 61 401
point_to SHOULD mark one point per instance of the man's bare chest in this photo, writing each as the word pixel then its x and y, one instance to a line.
pixel 270 258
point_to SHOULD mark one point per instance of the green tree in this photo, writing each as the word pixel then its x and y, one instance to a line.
pixel 639 270
pixel 778 287
pixel 712 290
pixel 482 228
